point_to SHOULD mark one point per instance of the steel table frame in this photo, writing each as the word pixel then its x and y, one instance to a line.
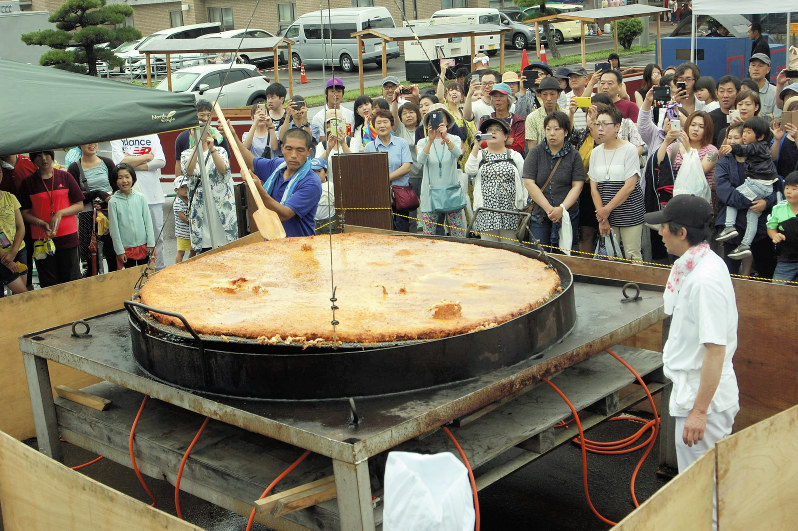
pixel 323 426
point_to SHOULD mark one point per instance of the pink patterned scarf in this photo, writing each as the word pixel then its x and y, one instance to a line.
pixel 683 266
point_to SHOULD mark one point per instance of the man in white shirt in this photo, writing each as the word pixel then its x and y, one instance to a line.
pixel 334 94
pixel 702 338
pixel 146 156
pixel 577 80
pixel 475 110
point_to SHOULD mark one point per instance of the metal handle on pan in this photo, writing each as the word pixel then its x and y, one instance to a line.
pixel 523 213
pixel 129 307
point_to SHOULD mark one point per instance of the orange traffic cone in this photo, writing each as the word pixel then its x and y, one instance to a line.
pixel 524 60
pixel 543 54
pixel 303 79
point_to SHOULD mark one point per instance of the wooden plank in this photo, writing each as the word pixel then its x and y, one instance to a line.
pixel 758 473
pixel 82 397
pixel 298 498
pixel 362 191
pixel 684 503
pixel 354 496
pixel 63 304
pixel 39 493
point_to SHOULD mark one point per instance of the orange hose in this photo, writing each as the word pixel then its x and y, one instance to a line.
pixel 470 476
pixel 86 464
pixel 133 457
pixel 183 464
pixel 584 453
pixel 274 484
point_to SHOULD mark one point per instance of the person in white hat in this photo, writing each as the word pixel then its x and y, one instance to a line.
pixel 180 209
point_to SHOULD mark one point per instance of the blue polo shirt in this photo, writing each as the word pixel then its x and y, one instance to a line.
pixel 398 153
pixel 303 202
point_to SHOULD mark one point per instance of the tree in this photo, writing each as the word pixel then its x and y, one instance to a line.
pixel 82 25
pixel 628 30
pixel 544 11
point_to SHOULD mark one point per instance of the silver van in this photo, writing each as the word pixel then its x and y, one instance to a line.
pixel 324 37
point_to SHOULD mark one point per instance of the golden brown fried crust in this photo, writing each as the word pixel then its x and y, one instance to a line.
pixel 390 288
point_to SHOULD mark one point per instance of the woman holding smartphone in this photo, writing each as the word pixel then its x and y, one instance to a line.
pixel 261 139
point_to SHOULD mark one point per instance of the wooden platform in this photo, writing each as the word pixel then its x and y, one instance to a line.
pixel 230 466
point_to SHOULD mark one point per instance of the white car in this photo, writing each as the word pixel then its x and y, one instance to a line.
pixel 135 61
pixel 255 58
pixel 244 85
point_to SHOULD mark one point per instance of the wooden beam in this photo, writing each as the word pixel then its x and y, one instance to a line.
pixel 298 498
pixel 583 46
pixel 169 71
pixel 615 34
pixel 360 62
pixel 659 42
pixel 473 52
pixel 537 40
pixel 384 59
pixel 277 65
pixel 82 397
pixel 501 52
pixel 290 71
pixel 149 74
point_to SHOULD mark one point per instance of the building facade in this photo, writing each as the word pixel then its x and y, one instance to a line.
pixel 271 15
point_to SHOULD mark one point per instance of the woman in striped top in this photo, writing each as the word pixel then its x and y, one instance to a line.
pixel 615 184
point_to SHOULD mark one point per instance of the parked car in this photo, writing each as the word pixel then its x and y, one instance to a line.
pixel 243 86
pixel 325 37
pixel 135 61
pixel 562 30
pixel 255 58
pixel 520 35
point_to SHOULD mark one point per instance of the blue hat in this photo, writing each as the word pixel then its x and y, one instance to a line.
pixel 318 164
pixel 786 90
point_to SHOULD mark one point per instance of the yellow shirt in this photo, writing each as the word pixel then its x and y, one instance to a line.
pixel 8 221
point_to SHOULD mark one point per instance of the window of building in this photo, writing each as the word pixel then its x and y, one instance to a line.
pixel 175 18
pixel 500 4
pixel 453 4
pixel 286 14
pixel 222 15
pixel 362 3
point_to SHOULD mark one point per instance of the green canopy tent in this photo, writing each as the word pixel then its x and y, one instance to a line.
pixel 47 108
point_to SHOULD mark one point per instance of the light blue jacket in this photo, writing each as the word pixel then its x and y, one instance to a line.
pixel 130 221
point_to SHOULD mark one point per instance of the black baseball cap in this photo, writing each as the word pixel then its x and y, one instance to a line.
pixel 686 210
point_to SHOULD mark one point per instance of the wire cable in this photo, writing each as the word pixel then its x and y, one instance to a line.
pixel 132 455
pixel 274 484
pixel 183 464
pixel 84 465
pixel 470 476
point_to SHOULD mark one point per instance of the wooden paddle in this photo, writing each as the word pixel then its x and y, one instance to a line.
pixel 269 225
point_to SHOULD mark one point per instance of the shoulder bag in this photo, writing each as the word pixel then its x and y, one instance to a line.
pixel 523 228
pixel 403 198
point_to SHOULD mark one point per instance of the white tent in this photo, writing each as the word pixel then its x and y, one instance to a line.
pixel 724 7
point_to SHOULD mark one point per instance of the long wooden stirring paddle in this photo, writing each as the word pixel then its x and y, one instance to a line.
pixel 267 222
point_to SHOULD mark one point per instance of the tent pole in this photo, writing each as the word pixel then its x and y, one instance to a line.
pixel 149 76
pixel 582 45
pixel 615 34
pixel 659 42
pixel 276 66
pixel 169 71
pixel 692 38
pixel 384 59
pixel 789 28
pixel 360 61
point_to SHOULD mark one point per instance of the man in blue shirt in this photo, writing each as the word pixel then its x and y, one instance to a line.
pixel 399 158
pixel 288 186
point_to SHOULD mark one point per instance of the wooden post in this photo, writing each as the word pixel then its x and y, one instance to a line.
pixel 583 46
pixel 290 72
pixel 473 52
pixel 360 61
pixel 384 58
pixel 501 52
pixel 659 42
pixel 537 40
pixel 169 72
pixel 615 34
pixel 276 65
pixel 149 76
pixel 354 495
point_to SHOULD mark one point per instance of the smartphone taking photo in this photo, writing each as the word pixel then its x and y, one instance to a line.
pixel 435 119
